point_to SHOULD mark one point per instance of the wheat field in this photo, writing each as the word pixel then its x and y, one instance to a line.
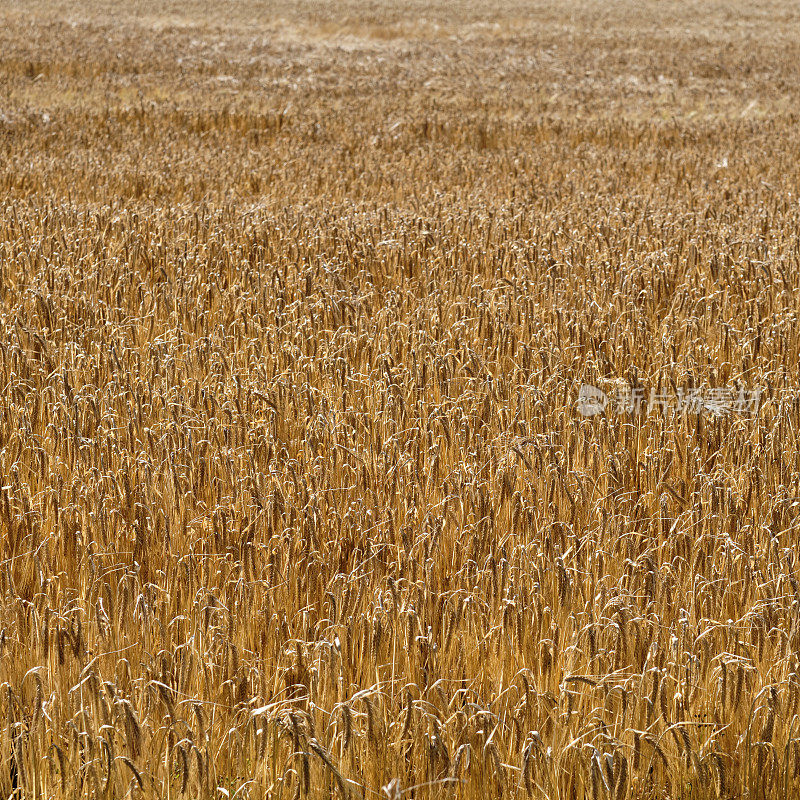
pixel 296 301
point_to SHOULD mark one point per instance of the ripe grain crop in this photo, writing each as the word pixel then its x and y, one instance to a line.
pixel 295 303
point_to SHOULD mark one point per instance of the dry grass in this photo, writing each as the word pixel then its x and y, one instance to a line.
pixel 295 302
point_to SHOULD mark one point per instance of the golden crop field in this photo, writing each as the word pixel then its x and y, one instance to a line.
pixel 297 497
